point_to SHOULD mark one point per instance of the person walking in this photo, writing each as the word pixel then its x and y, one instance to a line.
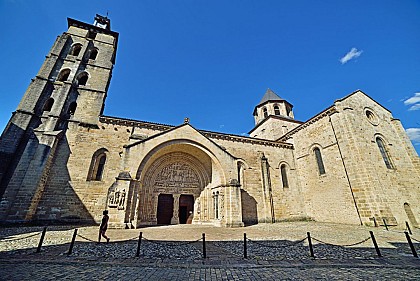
pixel 103 227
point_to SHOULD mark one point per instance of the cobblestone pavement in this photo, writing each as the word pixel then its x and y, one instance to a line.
pixel 274 251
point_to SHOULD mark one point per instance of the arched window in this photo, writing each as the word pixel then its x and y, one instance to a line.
pixel 284 176
pixel 288 110
pixel 319 161
pixel 276 110
pixel 64 75
pixel 384 153
pixel 93 54
pixel 82 79
pixel 75 49
pixel 265 112
pixel 72 108
pixel 48 105
pixel 97 165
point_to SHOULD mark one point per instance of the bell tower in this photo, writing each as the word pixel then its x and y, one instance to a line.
pixel 273 117
pixel 69 89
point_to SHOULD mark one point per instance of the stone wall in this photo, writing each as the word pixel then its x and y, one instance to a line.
pixel 327 197
pixel 379 191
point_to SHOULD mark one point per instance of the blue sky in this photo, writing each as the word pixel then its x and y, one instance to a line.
pixel 212 61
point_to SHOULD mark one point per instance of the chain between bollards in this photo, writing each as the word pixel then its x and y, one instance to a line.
pixel 311 250
pixel 375 244
pixel 72 242
pixel 245 247
pixel 139 244
pixel 41 240
pixel 204 246
pixel 413 250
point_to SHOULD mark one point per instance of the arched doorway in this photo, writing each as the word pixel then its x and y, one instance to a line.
pixel 170 185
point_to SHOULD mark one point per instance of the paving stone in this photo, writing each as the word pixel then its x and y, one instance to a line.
pixel 173 253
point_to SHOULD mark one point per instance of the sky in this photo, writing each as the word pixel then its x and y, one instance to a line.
pixel 212 61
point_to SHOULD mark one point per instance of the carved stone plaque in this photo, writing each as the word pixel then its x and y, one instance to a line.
pixel 177 174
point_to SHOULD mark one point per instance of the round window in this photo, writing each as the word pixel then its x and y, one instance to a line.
pixel 372 118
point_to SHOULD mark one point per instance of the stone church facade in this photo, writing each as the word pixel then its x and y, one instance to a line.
pixel 62 160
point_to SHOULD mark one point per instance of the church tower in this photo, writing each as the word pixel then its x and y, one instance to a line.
pixel 273 117
pixel 69 89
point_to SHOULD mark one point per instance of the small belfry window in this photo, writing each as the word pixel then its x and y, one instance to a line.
pixel 48 105
pixel 82 79
pixel 75 50
pixel 93 54
pixel 284 176
pixel 384 153
pixel 64 75
pixel 72 108
pixel 276 110
pixel 288 110
pixel 265 113
pixel 319 161
pixel 97 165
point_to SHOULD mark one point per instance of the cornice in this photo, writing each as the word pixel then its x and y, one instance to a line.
pixel 208 134
pixel 134 123
pixel 327 112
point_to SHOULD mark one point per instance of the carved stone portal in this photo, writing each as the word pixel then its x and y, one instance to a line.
pixel 175 174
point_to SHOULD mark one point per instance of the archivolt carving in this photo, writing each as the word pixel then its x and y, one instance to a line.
pixel 177 174
pixel 176 170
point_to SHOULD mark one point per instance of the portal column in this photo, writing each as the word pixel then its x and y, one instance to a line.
pixel 175 216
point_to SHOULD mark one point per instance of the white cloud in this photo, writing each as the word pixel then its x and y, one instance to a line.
pixel 414 101
pixel 414 135
pixel 354 53
pixel 414 107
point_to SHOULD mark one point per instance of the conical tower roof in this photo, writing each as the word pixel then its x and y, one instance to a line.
pixel 270 96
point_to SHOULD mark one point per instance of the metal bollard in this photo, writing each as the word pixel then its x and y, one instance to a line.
pixel 204 246
pixel 72 242
pixel 413 250
pixel 375 244
pixel 245 247
pixel 139 244
pixel 311 250
pixel 386 226
pixel 408 228
pixel 41 240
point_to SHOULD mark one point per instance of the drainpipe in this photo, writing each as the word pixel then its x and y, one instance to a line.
pixel 345 170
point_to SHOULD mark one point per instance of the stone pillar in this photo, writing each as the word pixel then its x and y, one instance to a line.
pixel 267 191
pixel 232 205
pixel 175 216
pixel 197 210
